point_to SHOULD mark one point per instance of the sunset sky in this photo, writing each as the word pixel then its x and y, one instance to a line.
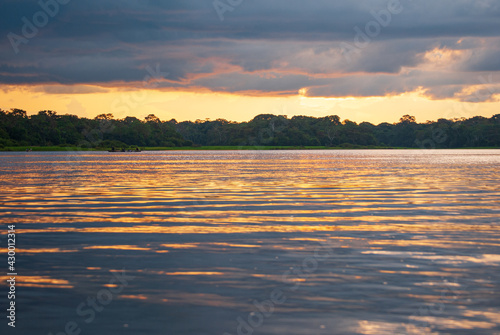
pixel 194 59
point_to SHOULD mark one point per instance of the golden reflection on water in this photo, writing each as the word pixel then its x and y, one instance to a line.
pixel 379 327
pixel 42 250
pixel 234 245
pixel 234 229
pixel 180 246
pixel 39 282
pixel 450 323
pixel 194 273
pixel 220 229
pixel 180 298
pixel 117 247
pixel 139 297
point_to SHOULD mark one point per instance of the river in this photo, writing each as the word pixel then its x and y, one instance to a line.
pixel 254 242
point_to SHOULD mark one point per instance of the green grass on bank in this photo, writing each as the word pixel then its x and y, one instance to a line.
pixel 46 148
pixel 227 147
pixel 193 148
pixel 204 148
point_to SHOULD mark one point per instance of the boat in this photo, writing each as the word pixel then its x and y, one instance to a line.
pixel 124 150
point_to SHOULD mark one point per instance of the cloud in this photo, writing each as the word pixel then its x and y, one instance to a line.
pixel 69 89
pixel 262 47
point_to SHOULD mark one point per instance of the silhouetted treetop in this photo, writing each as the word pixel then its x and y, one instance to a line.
pixel 48 128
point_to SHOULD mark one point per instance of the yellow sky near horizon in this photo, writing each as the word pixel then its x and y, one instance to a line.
pixel 191 105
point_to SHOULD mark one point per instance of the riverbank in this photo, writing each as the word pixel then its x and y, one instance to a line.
pixel 193 148
pixel 206 148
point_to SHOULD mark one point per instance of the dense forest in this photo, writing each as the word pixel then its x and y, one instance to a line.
pixel 46 128
pixel 49 129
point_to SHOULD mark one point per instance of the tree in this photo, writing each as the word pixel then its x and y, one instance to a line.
pixel 407 119
pixel 48 128
pixel 152 118
pixel 108 116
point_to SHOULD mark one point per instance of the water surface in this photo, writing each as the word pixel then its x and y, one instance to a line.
pixel 255 242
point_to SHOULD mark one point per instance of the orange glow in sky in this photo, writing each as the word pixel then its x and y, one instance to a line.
pixel 191 105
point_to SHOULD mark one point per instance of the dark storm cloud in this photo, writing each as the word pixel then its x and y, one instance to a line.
pixel 485 60
pixel 279 46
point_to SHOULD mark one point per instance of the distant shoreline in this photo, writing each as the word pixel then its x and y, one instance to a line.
pixel 220 148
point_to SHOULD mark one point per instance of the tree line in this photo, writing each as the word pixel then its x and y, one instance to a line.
pixel 47 128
